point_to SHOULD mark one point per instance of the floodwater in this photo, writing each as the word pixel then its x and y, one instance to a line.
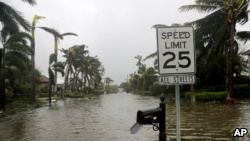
pixel 109 118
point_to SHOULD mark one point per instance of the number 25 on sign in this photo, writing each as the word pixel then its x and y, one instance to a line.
pixel 176 53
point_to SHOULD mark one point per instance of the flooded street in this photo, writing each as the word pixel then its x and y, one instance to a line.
pixel 109 118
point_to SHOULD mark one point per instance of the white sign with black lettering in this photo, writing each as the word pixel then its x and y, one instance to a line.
pixel 176 53
pixel 176 79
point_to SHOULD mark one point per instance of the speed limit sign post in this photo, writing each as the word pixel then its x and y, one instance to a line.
pixel 176 61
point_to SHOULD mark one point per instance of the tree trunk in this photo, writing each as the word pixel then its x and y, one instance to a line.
pixel 55 77
pixel 2 78
pixel 65 82
pixel 50 87
pixel 226 70
pixel 33 79
pixel 232 32
pixel 192 93
pixel 75 82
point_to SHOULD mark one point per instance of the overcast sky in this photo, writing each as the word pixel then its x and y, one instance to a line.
pixel 114 30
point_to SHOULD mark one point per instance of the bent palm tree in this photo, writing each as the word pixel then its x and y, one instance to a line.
pixel 57 66
pixel 56 41
pixel 73 55
pixel 33 79
pixel 14 55
pixel 231 11
pixel 10 19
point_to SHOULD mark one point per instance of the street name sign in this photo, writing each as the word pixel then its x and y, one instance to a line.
pixel 176 53
pixel 177 79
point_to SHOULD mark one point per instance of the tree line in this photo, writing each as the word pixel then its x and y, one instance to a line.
pixel 217 43
pixel 17 56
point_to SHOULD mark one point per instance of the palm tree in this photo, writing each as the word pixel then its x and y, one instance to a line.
pixel 11 19
pixel 14 56
pixel 57 66
pixel 33 79
pixel 147 76
pixel 139 63
pixel 108 80
pixel 57 37
pixel 73 55
pixel 56 41
pixel 91 70
pixel 230 11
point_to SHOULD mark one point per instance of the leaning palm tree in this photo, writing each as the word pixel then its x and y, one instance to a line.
pixel 57 37
pixel 33 79
pixel 10 19
pixel 108 80
pixel 139 58
pixel 14 55
pixel 73 55
pixel 232 11
pixel 56 41
pixel 57 66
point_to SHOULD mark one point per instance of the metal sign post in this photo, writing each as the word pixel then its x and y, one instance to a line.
pixel 176 61
pixel 178 115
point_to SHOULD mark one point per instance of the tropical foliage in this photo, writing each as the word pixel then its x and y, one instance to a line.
pixel 216 32
pixel 18 58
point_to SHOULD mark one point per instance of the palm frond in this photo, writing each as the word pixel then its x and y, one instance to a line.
pixel 69 34
pixel 61 70
pixel 52 31
pixel 10 15
pixel 19 37
pixel 218 3
pixel 159 25
pixel 19 48
pixel 31 2
pixel 58 65
pixel 36 18
pixel 9 28
pixel 52 58
pixel 199 7
pixel 153 55
pixel 243 36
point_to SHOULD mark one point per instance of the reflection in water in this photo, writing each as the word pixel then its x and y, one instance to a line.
pixel 109 118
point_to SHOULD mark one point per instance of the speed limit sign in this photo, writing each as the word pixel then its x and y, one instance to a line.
pixel 176 53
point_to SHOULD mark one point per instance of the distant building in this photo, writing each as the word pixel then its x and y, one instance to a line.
pixel 43 81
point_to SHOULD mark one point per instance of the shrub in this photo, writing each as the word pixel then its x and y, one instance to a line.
pixel 242 91
pixel 157 89
pixel 72 95
pixel 98 92
pixel 208 96
pixel 242 79
pixel 145 93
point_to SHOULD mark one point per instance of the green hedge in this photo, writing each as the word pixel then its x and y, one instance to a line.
pixel 208 96
pixel 73 95
pixel 157 89
pixel 242 91
pixel 145 93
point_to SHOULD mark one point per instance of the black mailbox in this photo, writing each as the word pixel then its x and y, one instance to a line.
pixel 148 116
pixel 155 117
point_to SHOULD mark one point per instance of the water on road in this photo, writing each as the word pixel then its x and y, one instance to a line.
pixel 109 118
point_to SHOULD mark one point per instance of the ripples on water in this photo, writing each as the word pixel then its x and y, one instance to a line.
pixel 109 118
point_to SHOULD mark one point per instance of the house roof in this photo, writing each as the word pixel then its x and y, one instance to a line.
pixel 43 79
pixel 246 52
